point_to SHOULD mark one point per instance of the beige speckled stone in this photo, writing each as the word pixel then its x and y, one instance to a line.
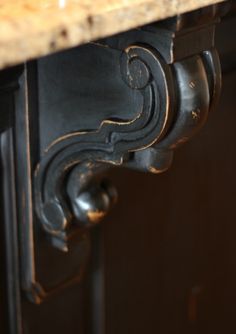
pixel 32 28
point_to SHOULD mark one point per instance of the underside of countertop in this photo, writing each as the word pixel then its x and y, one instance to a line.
pixel 33 28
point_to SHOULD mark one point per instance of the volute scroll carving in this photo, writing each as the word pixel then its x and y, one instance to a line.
pixel 176 86
pixel 176 102
pixel 87 154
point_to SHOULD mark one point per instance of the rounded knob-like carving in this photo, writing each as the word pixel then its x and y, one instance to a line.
pixel 91 205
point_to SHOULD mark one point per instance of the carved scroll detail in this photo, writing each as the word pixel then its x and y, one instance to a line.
pixel 64 194
pixel 198 84
pixel 176 101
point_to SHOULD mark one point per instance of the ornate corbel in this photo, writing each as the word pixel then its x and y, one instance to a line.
pixel 177 90
pixel 66 193
pixel 172 69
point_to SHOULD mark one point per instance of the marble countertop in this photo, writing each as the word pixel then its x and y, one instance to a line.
pixel 33 28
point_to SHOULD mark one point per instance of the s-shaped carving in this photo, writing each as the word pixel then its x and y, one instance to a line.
pixel 66 194
pixel 69 195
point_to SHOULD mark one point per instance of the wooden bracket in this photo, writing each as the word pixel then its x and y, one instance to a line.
pixel 125 101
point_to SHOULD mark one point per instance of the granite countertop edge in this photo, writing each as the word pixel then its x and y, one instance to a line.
pixel 31 32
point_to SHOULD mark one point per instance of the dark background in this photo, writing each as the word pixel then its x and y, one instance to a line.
pixel 171 240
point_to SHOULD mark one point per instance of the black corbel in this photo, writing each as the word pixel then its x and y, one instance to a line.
pixel 170 71
pixel 178 87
